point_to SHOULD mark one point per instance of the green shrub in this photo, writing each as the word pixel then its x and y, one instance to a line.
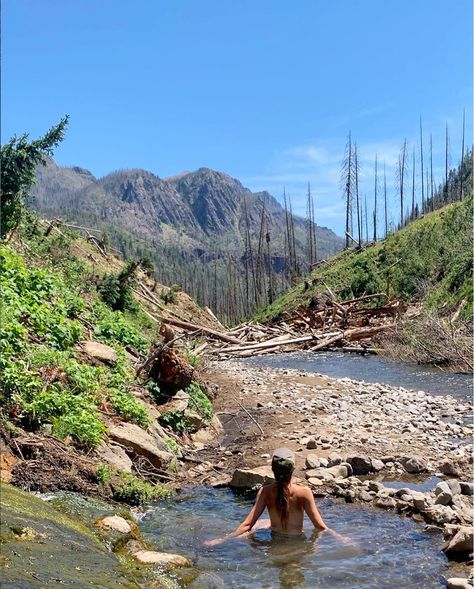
pixel 103 474
pixel 176 421
pixel 199 401
pixel 173 446
pixel 128 407
pixel 136 492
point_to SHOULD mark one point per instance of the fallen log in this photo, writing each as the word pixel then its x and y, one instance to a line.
pixel 193 327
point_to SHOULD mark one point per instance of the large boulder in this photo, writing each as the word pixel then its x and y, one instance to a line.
pixel 443 494
pixel 140 442
pixel 458 583
pixel 250 478
pixel 360 464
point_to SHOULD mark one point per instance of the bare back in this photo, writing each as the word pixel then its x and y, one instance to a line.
pixel 301 501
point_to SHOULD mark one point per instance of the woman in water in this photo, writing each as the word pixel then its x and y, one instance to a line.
pixel 286 502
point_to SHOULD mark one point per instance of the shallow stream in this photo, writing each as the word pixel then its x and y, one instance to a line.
pixel 390 551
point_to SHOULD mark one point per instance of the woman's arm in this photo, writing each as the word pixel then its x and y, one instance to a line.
pixel 317 520
pixel 312 511
pixel 248 522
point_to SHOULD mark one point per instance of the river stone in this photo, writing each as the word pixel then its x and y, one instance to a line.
pixel 413 465
pixel 320 473
pixel 97 351
pixel 193 420
pixel 315 482
pixel 466 488
pixel 311 444
pixel 454 486
pixel 419 500
pixel 142 443
pixel 312 461
pixel 450 467
pixel 385 502
pixel 161 558
pixel 250 478
pixel 207 581
pixel 439 514
pixel 115 456
pixel 334 459
pixel 115 523
pixel 458 583
pixel 443 494
pixel 360 464
pixel 365 496
pixel 374 486
pixel 377 464
pixel 340 471
pixel 461 542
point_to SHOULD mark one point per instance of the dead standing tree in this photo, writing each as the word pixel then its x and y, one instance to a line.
pixel 347 180
pixel 358 204
pixel 402 164
pixel 375 199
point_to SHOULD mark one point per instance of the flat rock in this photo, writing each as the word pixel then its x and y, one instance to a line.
pixel 115 523
pixel 161 558
pixel 244 478
pixel 115 456
pixel 97 351
pixel 312 461
pixel 141 442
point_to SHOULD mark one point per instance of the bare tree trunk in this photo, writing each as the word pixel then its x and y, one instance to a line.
pixel 359 221
pixel 431 164
pixel 421 165
pixel 288 235
pixel 385 199
pixel 313 224
pixel 293 241
pixel 348 165
pixel 446 191
pixel 309 236
pixel 413 188
pixel 401 172
pixel 270 277
pixel 375 199
pixel 366 220
pixel 462 153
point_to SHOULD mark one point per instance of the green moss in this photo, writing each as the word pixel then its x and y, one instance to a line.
pixel 137 492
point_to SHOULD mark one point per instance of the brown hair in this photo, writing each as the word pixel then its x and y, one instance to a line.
pixel 282 473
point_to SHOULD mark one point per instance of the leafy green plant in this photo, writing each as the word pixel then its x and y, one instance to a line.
pixel 136 492
pixel 173 446
pixel 175 420
pixel 103 474
pixel 199 401
pixel 128 407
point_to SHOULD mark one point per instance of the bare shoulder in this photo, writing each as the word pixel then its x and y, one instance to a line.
pixel 302 492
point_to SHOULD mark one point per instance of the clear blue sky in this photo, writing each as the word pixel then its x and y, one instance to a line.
pixel 265 90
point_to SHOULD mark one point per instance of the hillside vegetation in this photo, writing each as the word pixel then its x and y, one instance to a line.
pixel 428 262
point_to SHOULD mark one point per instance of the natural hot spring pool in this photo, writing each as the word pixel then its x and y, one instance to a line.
pixel 393 552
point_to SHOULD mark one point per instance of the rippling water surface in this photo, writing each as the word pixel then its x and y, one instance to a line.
pixel 391 551
pixel 373 368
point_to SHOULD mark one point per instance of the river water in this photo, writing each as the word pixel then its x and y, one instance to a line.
pixel 390 551
pixel 372 368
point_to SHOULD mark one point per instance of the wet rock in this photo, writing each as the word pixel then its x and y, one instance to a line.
pixel 252 478
pixel 413 465
pixel 375 486
pixel 98 352
pixel 163 559
pixel 365 496
pixel 115 523
pixel 466 488
pixel 458 583
pixel 312 461
pixel 360 464
pixel 461 542
pixel 419 500
pixel 439 514
pixel 207 581
pixel 115 456
pixel 385 503
pixel 140 442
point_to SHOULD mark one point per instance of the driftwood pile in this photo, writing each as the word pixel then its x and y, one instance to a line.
pixel 324 324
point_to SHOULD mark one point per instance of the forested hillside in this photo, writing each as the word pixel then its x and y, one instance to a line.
pixel 224 245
